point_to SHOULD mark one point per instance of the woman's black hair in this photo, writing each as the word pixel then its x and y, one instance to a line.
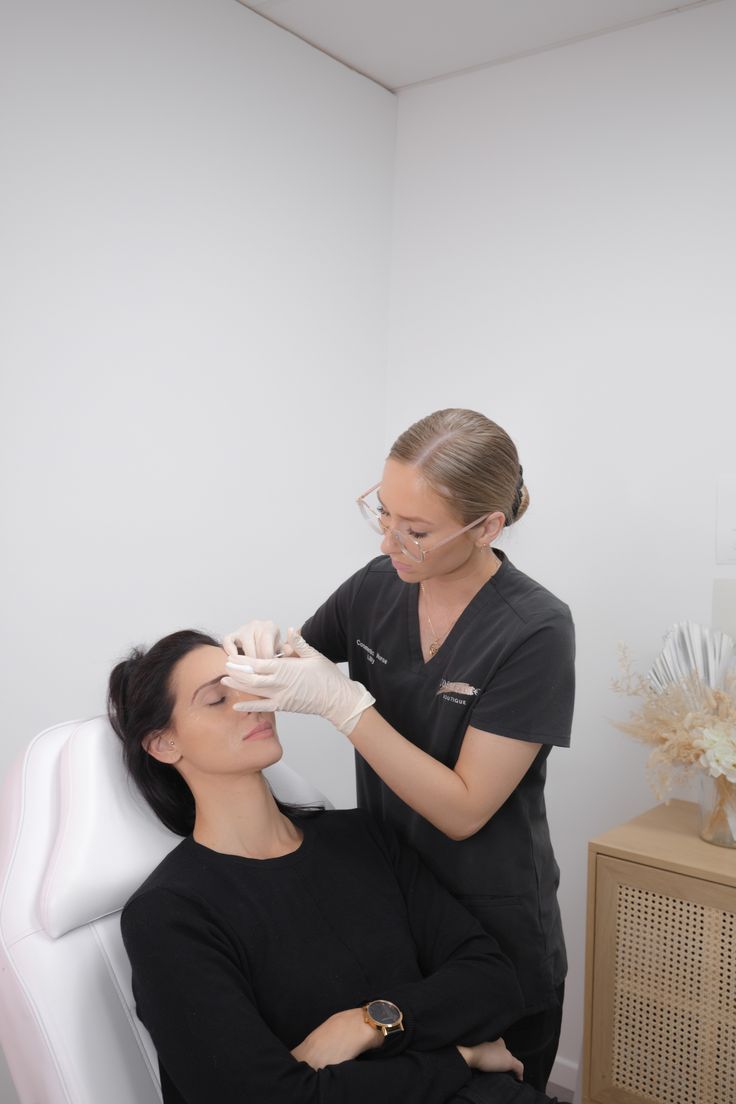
pixel 140 701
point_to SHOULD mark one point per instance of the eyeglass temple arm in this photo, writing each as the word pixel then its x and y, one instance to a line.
pixel 369 491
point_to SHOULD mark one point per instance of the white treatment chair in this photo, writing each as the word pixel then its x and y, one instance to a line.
pixel 75 841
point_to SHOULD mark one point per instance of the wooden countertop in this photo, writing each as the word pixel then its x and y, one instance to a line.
pixel 667 836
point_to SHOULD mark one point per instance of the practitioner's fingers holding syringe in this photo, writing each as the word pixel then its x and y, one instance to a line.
pixel 306 682
pixel 256 638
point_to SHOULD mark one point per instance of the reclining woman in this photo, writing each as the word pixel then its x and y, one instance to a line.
pixel 283 955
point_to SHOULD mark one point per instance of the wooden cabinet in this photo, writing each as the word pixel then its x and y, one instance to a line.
pixel 660 991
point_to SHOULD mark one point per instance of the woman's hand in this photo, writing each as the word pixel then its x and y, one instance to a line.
pixel 339 1039
pixel 306 683
pixel 492 1058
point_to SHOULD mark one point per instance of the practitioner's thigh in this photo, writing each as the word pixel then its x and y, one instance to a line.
pixel 534 1041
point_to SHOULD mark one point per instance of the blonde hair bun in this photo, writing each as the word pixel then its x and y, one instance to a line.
pixel 468 460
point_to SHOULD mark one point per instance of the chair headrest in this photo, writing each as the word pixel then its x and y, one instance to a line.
pixel 108 839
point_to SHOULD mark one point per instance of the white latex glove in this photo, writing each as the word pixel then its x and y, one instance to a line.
pixel 257 638
pixel 307 682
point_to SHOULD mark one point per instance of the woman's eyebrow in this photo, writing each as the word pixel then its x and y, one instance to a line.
pixel 422 521
pixel 205 685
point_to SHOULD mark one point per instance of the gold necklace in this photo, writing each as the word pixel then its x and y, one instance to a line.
pixel 438 640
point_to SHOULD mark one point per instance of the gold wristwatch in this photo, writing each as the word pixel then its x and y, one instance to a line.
pixel 384 1016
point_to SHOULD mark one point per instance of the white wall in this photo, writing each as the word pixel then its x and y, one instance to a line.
pixel 563 261
pixel 195 236
pixel 198 220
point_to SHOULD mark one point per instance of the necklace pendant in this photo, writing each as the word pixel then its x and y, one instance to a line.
pixel 434 647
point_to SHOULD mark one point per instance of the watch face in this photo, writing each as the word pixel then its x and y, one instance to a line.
pixel 384 1012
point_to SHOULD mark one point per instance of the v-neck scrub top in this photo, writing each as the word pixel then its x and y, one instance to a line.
pixel 506 667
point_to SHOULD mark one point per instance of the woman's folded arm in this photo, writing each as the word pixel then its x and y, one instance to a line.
pixel 470 992
pixel 194 996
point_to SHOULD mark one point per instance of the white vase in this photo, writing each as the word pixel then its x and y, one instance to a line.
pixel 717 810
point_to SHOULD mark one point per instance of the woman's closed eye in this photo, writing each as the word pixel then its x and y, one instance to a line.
pixel 417 536
pixel 219 701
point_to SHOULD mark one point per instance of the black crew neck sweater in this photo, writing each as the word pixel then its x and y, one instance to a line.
pixel 236 960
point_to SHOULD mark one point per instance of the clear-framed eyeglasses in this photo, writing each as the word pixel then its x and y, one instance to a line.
pixel 412 546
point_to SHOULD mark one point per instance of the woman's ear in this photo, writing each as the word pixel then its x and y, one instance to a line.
pixel 161 745
pixel 489 530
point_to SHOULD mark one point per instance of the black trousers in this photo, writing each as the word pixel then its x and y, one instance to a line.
pixel 534 1041
pixel 500 1088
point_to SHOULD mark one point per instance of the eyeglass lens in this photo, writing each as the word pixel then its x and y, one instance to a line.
pixel 377 524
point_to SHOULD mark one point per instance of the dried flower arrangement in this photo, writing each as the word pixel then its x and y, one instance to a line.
pixel 688 715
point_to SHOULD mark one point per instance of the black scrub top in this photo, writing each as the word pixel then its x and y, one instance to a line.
pixel 507 667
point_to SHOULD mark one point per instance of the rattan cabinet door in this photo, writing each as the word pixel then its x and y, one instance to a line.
pixel 664 987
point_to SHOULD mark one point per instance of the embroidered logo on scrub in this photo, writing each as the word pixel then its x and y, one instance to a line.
pixel 448 690
pixel 370 654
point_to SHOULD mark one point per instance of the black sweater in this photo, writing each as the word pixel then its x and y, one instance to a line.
pixel 236 960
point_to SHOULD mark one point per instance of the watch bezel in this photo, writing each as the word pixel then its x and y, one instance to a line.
pixel 379 1022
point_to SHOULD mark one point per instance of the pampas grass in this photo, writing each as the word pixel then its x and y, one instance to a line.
pixel 688 724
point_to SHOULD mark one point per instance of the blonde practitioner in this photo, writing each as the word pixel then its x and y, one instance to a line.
pixel 461 683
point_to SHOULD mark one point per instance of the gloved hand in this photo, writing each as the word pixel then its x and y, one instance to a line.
pixel 257 638
pixel 306 683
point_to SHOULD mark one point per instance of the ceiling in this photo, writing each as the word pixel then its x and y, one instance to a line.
pixel 402 42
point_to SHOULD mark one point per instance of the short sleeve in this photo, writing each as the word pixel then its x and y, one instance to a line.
pixel 531 695
pixel 327 628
